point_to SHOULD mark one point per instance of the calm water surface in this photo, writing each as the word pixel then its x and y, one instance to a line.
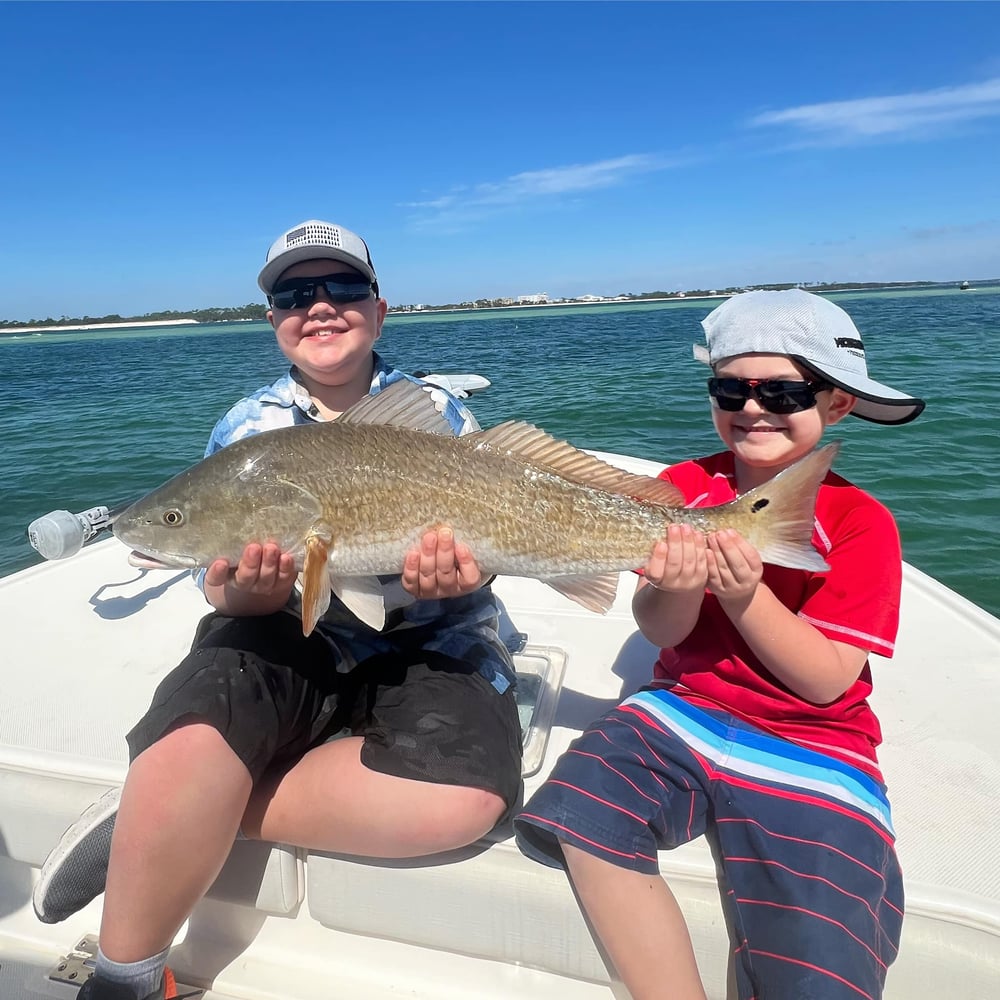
pixel 100 417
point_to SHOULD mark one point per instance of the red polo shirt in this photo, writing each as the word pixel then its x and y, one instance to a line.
pixel 856 601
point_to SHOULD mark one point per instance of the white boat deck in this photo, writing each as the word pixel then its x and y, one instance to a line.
pixel 88 639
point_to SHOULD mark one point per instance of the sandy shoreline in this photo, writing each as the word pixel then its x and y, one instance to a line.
pixel 99 326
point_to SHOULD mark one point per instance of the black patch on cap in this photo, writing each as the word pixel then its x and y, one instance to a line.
pixel 850 343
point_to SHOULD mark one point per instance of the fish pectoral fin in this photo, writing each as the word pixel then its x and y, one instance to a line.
pixel 402 404
pixel 595 593
pixel 315 582
pixel 535 447
pixel 363 597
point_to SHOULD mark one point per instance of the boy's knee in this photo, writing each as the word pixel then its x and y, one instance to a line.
pixel 460 816
pixel 483 810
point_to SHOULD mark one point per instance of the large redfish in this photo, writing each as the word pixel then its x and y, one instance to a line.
pixel 349 497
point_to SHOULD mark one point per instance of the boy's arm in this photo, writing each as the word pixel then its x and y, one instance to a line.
pixel 815 667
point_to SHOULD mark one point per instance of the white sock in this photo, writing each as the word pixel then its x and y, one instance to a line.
pixel 143 976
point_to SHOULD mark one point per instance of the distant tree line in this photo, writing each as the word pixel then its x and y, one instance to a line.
pixel 214 314
pixel 258 311
pixel 814 286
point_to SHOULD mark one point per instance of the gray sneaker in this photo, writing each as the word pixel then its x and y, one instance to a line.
pixel 77 867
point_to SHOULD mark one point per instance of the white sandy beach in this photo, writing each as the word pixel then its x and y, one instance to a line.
pixel 99 326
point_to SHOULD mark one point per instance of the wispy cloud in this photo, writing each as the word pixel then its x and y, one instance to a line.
pixel 937 232
pixel 896 117
pixel 464 205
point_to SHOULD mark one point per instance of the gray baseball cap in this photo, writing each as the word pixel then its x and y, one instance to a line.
pixel 812 331
pixel 315 240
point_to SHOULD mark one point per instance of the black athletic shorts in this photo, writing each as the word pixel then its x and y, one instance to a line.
pixel 274 694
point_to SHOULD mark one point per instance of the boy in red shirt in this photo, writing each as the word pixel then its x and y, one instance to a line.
pixel 755 730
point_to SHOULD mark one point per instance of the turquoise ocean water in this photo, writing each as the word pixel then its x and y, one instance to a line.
pixel 100 417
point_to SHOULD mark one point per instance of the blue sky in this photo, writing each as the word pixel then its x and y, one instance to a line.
pixel 152 151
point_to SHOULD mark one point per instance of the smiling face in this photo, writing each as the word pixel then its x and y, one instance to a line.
pixel 330 343
pixel 765 443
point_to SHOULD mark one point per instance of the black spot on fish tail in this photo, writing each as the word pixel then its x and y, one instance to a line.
pixel 759 505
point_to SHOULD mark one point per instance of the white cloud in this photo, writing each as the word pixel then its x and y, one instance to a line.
pixel 463 205
pixel 899 116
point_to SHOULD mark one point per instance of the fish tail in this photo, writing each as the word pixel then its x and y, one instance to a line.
pixel 777 518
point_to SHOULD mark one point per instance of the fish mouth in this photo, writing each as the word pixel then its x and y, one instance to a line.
pixel 141 561
pixel 146 560
pixel 124 529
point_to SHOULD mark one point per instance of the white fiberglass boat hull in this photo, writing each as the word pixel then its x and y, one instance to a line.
pixel 87 640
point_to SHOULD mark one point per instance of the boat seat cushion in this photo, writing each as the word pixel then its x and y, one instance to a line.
pixel 489 901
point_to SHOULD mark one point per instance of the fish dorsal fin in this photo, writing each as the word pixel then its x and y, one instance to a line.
pixel 401 404
pixel 529 444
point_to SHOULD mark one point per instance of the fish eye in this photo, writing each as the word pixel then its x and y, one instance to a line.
pixel 172 518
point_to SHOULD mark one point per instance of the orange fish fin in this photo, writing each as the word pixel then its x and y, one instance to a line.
pixel 595 593
pixel 535 447
pixel 315 583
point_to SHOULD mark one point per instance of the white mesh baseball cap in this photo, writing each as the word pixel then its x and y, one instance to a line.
pixel 315 240
pixel 815 333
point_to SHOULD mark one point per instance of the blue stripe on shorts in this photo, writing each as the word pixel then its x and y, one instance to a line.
pixel 740 748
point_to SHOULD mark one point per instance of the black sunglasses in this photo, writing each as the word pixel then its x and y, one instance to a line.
pixel 297 293
pixel 776 395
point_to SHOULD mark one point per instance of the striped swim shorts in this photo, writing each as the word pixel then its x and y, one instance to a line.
pixel 804 842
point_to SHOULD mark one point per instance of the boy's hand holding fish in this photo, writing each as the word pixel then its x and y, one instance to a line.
pixel 676 576
pixel 686 564
pixel 735 567
pixel 260 583
pixel 441 567
pixel 678 562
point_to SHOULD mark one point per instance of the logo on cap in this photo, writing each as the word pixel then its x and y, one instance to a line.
pixel 849 342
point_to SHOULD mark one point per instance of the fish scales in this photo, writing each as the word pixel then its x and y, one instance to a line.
pixel 380 488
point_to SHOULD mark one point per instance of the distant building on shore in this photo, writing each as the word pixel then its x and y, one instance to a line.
pixel 539 298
